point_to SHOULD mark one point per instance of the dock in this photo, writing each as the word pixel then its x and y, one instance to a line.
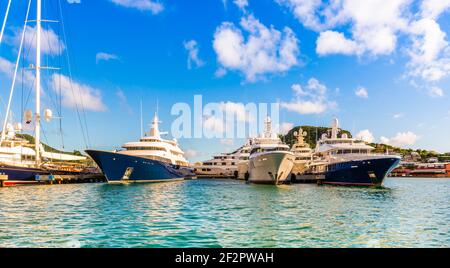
pixel 67 179
pixel 57 179
pixel 307 178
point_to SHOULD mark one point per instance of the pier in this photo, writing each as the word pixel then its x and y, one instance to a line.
pixel 56 179
pixel 66 179
pixel 307 178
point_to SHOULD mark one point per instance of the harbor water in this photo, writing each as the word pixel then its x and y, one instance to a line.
pixel 408 212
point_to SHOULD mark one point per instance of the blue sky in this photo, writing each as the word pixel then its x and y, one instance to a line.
pixel 382 69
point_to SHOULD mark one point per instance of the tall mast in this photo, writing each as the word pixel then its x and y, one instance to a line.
pixel 4 21
pixel 38 83
pixel 142 123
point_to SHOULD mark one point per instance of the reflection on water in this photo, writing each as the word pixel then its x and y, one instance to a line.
pixel 224 213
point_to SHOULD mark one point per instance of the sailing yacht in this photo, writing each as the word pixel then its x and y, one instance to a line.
pixel 270 160
pixel 151 159
pixel 347 161
pixel 302 152
pixel 21 161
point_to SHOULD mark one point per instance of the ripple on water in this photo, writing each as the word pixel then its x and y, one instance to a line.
pixel 224 213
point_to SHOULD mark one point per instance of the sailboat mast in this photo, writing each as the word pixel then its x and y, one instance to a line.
pixel 4 21
pixel 38 83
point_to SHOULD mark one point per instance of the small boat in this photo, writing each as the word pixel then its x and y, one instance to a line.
pixel 270 160
pixel 151 159
pixel 350 162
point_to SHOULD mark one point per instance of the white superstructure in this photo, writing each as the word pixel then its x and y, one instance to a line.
pixel 302 152
pixel 18 152
pixel 340 149
pixel 154 147
pixel 224 165
pixel 270 160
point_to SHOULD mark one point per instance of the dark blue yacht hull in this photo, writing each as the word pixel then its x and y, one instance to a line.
pixel 122 168
pixel 21 175
pixel 367 172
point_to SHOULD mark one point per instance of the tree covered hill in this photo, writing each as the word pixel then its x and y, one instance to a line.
pixel 47 148
pixel 313 134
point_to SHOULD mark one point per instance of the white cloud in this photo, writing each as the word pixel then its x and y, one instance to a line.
pixel 76 94
pixel 105 57
pixel 313 14
pixel 7 68
pixel 123 101
pixel 285 128
pixel 397 116
pixel 264 50
pixel 220 72
pixel 331 42
pixel 51 44
pixel 401 139
pixel 154 7
pixel 433 8
pixel 192 48
pixel 374 27
pixel 310 99
pixel 365 135
pixel 362 92
pixel 436 92
pixel 242 4
pixel 74 1
pixel 373 23
pixel 429 52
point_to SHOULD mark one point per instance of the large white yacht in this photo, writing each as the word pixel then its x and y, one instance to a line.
pixel 151 159
pixel 347 161
pixel 270 160
pixel 225 165
pixel 302 152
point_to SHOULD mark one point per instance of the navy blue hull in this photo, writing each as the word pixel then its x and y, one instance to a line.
pixel 119 167
pixel 368 172
pixel 21 175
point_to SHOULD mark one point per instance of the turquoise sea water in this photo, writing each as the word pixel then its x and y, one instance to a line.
pixel 227 213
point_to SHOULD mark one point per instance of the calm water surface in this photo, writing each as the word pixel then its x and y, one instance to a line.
pixel 226 213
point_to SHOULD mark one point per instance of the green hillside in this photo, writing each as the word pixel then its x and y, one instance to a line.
pixel 313 134
pixel 47 148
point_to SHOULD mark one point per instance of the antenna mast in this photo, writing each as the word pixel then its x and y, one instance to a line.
pixel 38 83
pixel 142 123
